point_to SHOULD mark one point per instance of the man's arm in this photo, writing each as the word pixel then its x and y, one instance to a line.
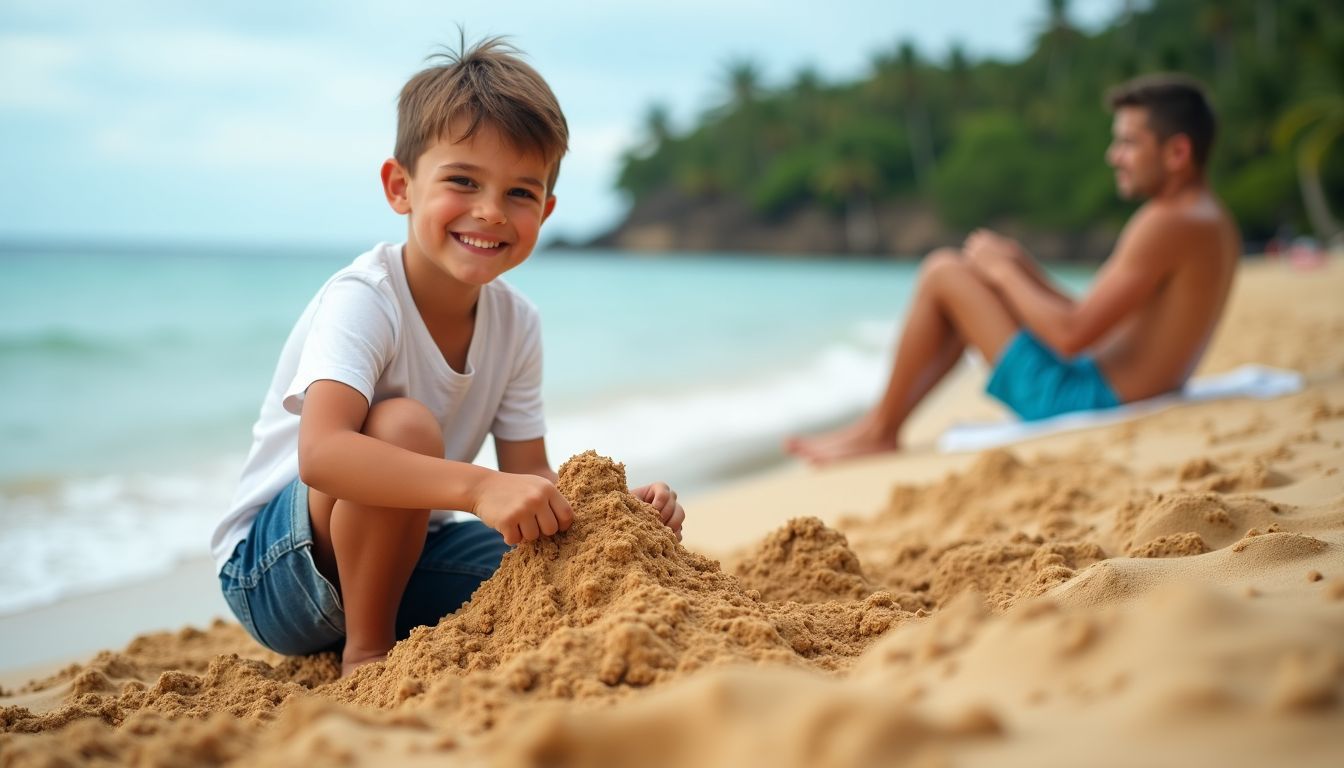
pixel 1029 266
pixel 1143 258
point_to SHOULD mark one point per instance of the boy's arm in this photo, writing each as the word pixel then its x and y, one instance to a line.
pixel 525 457
pixel 1143 258
pixel 336 459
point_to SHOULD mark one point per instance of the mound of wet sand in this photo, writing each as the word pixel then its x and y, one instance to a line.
pixel 613 605
pixel 805 562
pixel 610 606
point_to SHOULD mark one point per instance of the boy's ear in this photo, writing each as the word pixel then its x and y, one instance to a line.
pixel 547 208
pixel 395 182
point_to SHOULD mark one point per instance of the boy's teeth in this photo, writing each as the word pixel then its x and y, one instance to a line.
pixel 479 243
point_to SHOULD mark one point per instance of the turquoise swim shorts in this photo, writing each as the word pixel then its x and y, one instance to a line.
pixel 1037 384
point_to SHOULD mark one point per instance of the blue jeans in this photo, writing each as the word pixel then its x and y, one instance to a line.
pixel 275 589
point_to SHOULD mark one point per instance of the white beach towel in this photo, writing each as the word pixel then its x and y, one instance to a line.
pixel 1247 381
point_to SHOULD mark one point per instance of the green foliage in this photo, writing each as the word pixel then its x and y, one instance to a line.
pixel 989 139
pixel 983 175
pixel 1263 193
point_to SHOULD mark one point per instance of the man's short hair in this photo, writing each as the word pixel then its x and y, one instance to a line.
pixel 1175 104
pixel 486 84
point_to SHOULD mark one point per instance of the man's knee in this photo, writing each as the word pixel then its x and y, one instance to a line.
pixel 407 423
pixel 943 262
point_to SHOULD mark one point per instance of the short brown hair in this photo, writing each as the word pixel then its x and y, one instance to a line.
pixel 1176 104
pixel 489 84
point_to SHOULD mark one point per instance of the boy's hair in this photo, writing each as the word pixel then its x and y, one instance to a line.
pixel 486 84
pixel 1175 104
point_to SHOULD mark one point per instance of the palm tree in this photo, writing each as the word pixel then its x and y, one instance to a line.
pixel 742 122
pixel 917 124
pixel 1314 125
pixel 851 177
pixel 657 125
pixel 959 71
pixel 1217 22
pixel 807 82
pixel 1059 35
pixel 809 100
pixel 744 82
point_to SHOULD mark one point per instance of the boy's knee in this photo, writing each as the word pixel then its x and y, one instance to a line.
pixel 406 423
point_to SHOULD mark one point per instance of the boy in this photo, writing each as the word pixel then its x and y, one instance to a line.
pixel 390 380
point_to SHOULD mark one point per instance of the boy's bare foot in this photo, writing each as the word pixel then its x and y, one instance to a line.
pixel 858 439
pixel 353 659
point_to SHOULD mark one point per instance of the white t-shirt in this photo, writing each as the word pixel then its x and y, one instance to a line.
pixel 363 329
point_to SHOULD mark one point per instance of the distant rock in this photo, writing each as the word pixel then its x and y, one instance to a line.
pixel 669 221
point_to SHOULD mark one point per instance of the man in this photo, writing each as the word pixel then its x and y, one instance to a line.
pixel 1137 333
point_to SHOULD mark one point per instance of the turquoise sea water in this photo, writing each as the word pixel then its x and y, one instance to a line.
pixel 130 380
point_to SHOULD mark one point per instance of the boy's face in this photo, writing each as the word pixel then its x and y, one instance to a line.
pixel 475 206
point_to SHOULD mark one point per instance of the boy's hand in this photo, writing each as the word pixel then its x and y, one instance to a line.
pixel 663 499
pixel 521 507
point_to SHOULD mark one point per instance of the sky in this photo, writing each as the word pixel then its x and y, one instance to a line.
pixel 248 122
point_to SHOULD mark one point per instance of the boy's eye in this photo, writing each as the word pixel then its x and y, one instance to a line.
pixel 520 192
pixel 460 180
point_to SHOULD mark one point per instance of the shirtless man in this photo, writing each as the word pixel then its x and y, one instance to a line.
pixel 1138 332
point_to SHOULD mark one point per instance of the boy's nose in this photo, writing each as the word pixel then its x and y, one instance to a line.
pixel 489 212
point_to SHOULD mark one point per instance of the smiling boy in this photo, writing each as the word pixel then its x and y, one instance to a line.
pixel 340 534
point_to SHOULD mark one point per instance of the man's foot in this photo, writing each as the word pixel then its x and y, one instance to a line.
pixel 352 659
pixel 858 439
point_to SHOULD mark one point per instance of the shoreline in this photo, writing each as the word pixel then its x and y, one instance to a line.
pixel 44 638
pixel 72 629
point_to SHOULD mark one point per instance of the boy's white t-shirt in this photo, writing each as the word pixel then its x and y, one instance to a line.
pixel 363 329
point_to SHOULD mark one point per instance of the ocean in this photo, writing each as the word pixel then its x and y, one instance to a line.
pixel 131 379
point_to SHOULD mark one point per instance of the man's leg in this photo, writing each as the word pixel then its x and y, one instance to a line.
pixel 953 307
pixel 370 552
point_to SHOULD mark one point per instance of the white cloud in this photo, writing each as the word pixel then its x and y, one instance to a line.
pixel 136 95
pixel 37 73
pixel 175 99
pixel 226 61
pixel 599 142
pixel 159 137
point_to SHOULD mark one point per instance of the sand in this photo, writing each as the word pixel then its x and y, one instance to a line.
pixel 1165 591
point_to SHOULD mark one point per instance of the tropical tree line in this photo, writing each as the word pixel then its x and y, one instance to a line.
pixel 986 140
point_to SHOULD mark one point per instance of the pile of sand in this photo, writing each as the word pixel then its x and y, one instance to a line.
pixel 610 606
pixel 591 615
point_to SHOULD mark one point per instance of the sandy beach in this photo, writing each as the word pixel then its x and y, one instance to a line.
pixel 1165 591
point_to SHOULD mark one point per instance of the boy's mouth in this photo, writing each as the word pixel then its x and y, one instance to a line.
pixel 478 242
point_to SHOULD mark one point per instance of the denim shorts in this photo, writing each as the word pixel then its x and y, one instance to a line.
pixel 275 589
pixel 1037 384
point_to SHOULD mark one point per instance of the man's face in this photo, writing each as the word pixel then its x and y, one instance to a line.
pixel 1135 154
